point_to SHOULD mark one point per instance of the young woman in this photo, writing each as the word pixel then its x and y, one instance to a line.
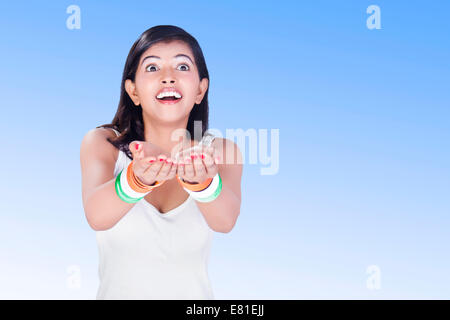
pixel 155 200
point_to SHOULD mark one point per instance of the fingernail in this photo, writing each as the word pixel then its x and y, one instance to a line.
pixel 152 160
pixel 137 146
pixel 203 156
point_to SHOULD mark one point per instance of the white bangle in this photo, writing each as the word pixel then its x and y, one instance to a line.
pixel 209 191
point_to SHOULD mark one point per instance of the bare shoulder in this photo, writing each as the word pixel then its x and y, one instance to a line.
pixel 95 140
pixel 105 132
pixel 97 160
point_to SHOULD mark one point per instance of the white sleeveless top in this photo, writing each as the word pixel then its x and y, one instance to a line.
pixel 153 255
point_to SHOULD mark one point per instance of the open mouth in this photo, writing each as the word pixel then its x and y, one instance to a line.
pixel 169 95
pixel 168 99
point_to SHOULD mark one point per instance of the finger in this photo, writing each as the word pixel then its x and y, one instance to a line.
pixel 185 152
pixel 173 170
pixel 145 162
pixel 214 154
pixel 189 172
pixel 155 167
pixel 140 165
pixel 134 147
pixel 167 166
pixel 140 151
pixel 210 165
pixel 180 169
pixel 150 160
pixel 199 167
pixel 211 152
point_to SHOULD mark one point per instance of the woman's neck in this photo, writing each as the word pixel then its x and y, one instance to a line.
pixel 161 135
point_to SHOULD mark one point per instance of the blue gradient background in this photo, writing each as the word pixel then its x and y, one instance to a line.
pixel 364 174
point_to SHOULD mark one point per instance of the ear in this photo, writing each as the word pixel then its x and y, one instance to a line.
pixel 203 87
pixel 130 88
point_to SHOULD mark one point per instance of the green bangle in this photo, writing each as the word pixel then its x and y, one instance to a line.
pixel 214 195
pixel 124 197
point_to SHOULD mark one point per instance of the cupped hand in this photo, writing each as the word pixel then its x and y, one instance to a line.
pixel 151 163
pixel 200 163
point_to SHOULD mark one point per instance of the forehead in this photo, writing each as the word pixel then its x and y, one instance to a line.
pixel 167 50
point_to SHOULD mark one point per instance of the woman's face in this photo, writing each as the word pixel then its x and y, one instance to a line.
pixel 171 65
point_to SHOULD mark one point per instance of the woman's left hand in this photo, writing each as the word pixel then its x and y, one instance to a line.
pixel 201 165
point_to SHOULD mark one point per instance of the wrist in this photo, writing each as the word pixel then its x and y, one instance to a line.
pixel 129 188
pixel 188 182
pixel 144 183
pixel 194 186
pixel 206 194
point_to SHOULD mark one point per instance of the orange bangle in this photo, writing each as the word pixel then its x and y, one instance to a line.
pixel 195 187
pixel 138 185
pixel 134 183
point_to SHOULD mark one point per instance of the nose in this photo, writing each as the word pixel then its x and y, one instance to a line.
pixel 168 78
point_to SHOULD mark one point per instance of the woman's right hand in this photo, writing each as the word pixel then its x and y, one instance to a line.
pixel 149 168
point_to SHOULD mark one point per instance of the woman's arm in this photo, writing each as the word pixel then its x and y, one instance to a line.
pixel 102 207
pixel 221 214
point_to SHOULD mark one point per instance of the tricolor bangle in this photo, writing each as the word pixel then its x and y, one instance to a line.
pixel 208 194
pixel 121 194
pixel 129 188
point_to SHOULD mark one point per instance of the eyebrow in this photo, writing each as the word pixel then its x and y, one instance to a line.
pixel 177 56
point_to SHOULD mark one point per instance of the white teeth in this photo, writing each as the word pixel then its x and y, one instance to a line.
pixel 168 94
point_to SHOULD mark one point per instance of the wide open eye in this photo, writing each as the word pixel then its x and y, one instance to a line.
pixel 186 66
pixel 150 65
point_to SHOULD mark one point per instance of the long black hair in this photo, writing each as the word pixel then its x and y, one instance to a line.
pixel 128 118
